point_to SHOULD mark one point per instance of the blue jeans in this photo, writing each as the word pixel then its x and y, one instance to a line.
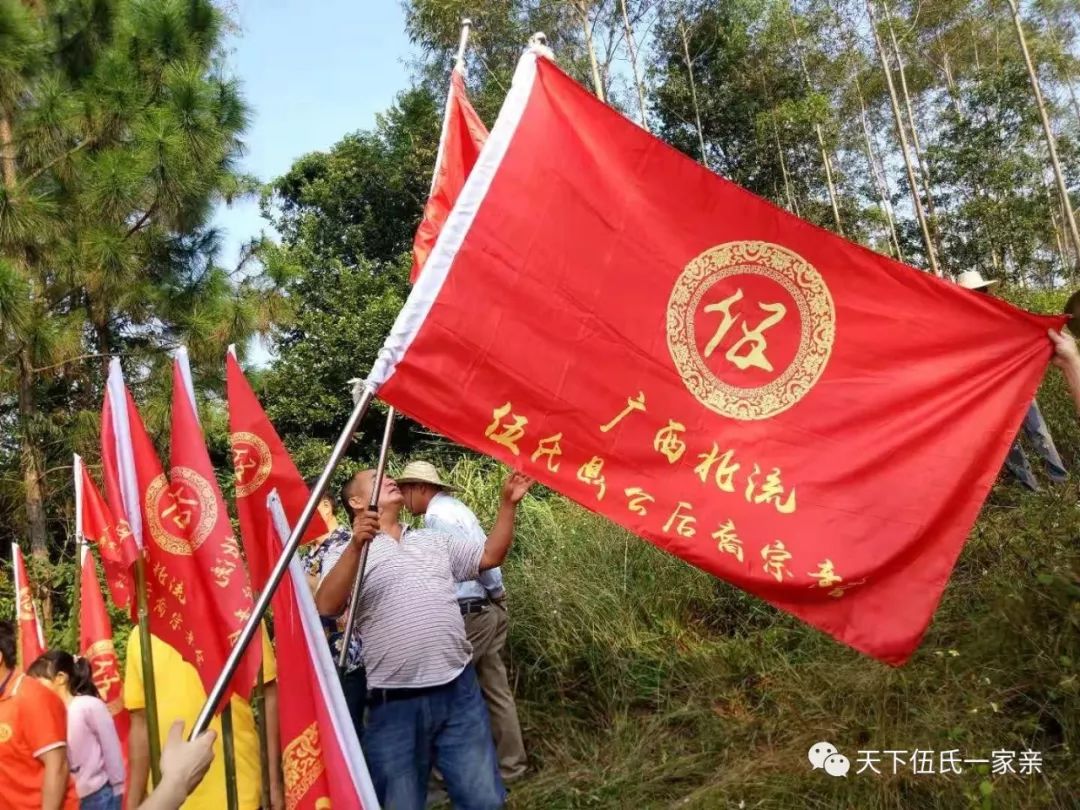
pixel 103 799
pixel 1039 434
pixel 446 727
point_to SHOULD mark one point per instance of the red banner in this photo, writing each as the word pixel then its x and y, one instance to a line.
pixel 96 644
pixel 113 539
pixel 321 758
pixel 463 134
pixel 31 639
pixel 185 580
pixel 261 464
pixel 190 524
pixel 802 417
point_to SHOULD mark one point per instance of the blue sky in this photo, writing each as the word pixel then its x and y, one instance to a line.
pixel 312 71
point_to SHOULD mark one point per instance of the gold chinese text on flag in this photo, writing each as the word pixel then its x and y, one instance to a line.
pixel 810 421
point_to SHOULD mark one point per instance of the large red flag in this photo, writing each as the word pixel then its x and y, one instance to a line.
pixel 113 538
pixel 261 464
pixel 463 134
pixel 31 639
pixel 96 643
pixel 194 527
pixel 787 410
pixel 321 758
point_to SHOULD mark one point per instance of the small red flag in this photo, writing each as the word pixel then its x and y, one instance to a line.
pixel 787 410
pixel 171 521
pixel 261 464
pixel 321 757
pixel 96 643
pixel 193 526
pixel 113 539
pixel 31 640
pixel 463 134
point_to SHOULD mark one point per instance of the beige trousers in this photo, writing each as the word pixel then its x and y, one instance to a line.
pixel 486 631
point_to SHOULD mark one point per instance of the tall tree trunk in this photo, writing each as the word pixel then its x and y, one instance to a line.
pixel 33 474
pixel 32 468
pixel 693 90
pixel 1062 255
pixel 1063 190
pixel 879 184
pixel 7 153
pixel 920 157
pixel 631 46
pixel 931 253
pixel 793 205
pixel 789 193
pixel 825 159
pixel 587 27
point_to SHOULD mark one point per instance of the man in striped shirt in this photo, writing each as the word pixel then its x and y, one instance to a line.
pixel 424 705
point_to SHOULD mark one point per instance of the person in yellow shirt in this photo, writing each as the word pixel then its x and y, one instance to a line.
pixel 180 696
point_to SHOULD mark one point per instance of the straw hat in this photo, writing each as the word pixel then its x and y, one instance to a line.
pixel 973 280
pixel 422 472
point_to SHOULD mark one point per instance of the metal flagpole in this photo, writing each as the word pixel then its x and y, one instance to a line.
pixel 373 507
pixel 281 567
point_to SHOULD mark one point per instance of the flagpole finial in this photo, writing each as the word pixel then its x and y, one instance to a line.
pixel 538 44
pixel 459 60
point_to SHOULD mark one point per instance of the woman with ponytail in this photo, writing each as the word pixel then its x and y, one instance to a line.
pixel 94 754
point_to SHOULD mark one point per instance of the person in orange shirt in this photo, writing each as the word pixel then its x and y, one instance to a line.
pixel 33 739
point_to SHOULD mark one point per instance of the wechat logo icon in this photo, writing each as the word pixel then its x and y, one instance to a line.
pixel 824 756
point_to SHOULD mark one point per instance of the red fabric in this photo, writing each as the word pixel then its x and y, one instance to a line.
pixel 463 136
pixel 842 498
pixel 30 642
pixel 96 644
pixel 262 464
pixel 195 534
pixel 113 539
pixel 311 751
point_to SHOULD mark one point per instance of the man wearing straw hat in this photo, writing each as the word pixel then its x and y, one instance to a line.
pixel 483 607
pixel 424 705
pixel 1034 425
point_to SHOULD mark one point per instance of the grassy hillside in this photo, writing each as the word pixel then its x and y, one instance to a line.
pixel 644 683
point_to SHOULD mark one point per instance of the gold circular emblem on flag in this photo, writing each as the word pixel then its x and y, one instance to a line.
pixel 750 327
pixel 182 513
pixel 251 461
pixel 5 733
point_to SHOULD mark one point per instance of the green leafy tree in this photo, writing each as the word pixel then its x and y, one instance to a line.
pixel 119 133
pixel 347 218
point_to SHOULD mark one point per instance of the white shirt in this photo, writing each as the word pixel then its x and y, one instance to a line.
pixel 447 514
